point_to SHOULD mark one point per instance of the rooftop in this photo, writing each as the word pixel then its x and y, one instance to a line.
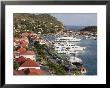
pixel 18 72
pixel 21 50
pixel 28 53
pixel 33 71
pixel 20 60
pixel 30 63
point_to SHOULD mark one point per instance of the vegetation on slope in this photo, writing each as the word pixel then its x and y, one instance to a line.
pixel 43 23
pixel 90 29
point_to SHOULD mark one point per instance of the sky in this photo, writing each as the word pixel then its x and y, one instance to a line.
pixel 77 19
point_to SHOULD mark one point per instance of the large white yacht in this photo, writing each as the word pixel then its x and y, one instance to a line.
pixel 67 39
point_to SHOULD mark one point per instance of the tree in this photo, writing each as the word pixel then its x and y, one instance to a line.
pixel 16 65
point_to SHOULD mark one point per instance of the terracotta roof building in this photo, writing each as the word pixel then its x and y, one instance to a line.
pixel 23 42
pixel 20 60
pixel 29 54
pixel 29 71
pixel 29 64
pixel 18 72
pixel 21 50
pixel 33 71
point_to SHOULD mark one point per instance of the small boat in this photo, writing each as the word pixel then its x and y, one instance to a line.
pixel 83 70
pixel 87 36
pixel 95 38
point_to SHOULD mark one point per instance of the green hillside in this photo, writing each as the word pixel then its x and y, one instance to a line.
pixel 90 29
pixel 44 23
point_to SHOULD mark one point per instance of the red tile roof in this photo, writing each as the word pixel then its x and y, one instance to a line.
pixel 18 72
pixel 20 60
pixel 33 71
pixel 23 43
pixel 28 53
pixel 30 63
pixel 20 39
pixel 21 50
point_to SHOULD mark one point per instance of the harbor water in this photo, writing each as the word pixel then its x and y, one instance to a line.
pixel 88 56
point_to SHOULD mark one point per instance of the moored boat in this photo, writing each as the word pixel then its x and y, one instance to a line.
pixel 83 70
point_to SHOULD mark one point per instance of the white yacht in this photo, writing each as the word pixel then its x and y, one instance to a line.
pixel 74 59
pixel 67 39
pixel 66 45
pixel 68 49
pixel 77 48
pixel 95 38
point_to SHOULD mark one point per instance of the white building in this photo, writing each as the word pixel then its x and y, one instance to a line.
pixel 27 54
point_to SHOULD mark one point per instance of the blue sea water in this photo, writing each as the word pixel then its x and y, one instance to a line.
pixel 89 56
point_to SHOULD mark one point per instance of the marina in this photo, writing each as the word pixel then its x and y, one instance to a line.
pixel 82 56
